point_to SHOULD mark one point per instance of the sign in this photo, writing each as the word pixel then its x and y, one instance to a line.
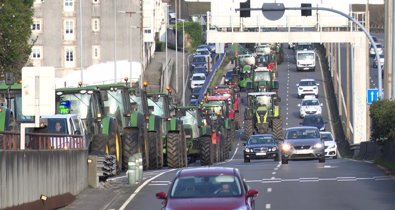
pixel 373 95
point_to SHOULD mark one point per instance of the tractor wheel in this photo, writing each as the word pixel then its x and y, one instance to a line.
pixel 130 145
pixel 248 127
pixel 153 162
pixel 278 128
pixel 115 144
pixel 237 120
pixel 98 145
pixel 174 158
pixel 206 151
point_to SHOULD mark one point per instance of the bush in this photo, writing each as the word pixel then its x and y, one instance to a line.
pixel 382 114
pixel 160 46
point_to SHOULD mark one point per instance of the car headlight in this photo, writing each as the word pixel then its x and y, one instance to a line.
pixel 318 146
pixel 248 150
pixel 274 149
pixel 333 146
pixel 300 88
pixel 286 147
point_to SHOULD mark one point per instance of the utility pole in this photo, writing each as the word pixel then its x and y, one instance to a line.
pixel 389 37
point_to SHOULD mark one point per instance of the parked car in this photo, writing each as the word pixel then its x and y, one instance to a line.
pixel 380 49
pixel 302 142
pixel 330 144
pixel 307 87
pixel 261 146
pixel 209 188
pixel 315 120
pixel 197 80
pixel 228 76
pixel 375 63
pixel 309 106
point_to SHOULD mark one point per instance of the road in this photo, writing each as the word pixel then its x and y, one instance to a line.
pixel 337 184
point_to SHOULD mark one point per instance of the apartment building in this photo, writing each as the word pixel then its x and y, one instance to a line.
pixel 75 34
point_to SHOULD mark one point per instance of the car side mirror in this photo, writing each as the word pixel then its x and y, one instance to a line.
pixel 252 193
pixel 161 195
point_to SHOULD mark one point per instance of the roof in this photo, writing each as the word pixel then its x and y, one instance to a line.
pixel 201 171
pixel 263 134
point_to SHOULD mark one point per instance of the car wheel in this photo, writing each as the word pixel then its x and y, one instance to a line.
pixel 321 160
pixel 284 161
pixel 247 160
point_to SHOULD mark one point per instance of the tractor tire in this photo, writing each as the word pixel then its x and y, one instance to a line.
pixel 130 145
pixel 206 151
pixel 173 150
pixel 115 144
pixel 237 120
pixel 99 145
pixel 277 128
pixel 154 161
pixel 248 127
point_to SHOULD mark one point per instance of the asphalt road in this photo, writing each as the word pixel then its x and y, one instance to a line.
pixel 337 184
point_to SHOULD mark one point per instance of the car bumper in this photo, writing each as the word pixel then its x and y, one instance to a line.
pixel 305 67
pixel 307 92
pixel 303 154
pixel 265 155
pixel 304 113
pixel 330 152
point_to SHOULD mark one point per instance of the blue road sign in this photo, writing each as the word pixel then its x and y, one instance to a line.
pixel 373 95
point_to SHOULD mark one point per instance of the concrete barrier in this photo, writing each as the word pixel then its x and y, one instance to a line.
pixel 26 175
pixel 362 150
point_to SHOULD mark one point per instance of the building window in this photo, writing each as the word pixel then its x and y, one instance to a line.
pixel 95 1
pixel 147 31
pixel 36 26
pixel 68 5
pixel 96 24
pixel 69 30
pixel 69 57
pixel 36 52
pixel 96 52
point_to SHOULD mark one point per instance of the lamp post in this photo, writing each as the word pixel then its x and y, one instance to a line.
pixel 183 58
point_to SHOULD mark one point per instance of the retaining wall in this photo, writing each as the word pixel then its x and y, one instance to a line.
pixel 26 175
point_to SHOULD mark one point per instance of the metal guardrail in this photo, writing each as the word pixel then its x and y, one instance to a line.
pixel 41 141
pixel 210 76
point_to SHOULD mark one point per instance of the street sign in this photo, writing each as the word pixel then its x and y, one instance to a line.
pixel 373 95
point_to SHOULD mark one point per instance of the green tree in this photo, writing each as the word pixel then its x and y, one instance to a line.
pixel 15 32
pixel 195 32
pixel 382 114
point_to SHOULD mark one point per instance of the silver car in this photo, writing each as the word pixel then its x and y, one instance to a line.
pixel 302 143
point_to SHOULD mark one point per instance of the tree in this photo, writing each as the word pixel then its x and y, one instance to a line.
pixel 382 114
pixel 15 32
pixel 193 33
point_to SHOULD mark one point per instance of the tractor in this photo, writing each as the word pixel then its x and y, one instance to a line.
pixel 263 114
pixel 235 101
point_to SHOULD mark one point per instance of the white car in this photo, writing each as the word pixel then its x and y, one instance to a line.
pixel 197 80
pixel 203 51
pixel 380 49
pixel 309 106
pixel 307 87
pixel 330 144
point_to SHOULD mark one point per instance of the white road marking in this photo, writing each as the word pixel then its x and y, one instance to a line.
pixel 268 206
pixel 274 173
pixel 269 189
pixel 168 182
pixel 141 187
pixel 158 184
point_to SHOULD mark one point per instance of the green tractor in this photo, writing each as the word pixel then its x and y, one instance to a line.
pixel 262 80
pixel 103 132
pixel 190 119
pixel 172 144
pixel 263 114
pixel 213 129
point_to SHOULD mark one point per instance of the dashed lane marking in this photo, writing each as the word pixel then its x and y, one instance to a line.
pixel 317 179
pixel 268 206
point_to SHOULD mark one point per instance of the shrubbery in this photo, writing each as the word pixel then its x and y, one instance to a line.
pixel 382 114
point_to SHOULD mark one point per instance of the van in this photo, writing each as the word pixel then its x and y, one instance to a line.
pixel 305 60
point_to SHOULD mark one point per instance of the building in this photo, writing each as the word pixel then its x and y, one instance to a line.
pixel 73 34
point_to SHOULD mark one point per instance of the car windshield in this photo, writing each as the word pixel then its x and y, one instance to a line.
pixel 198 77
pixel 302 133
pixel 310 103
pixel 206 187
pixel 307 83
pixel 305 56
pixel 229 74
pixel 199 59
pixel 260 140
pixel 326 137
pixel 262 76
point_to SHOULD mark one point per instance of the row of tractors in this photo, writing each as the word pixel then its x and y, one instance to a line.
pixel 121 121
pixel 256 73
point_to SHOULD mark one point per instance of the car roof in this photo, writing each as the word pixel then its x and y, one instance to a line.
pixel 325 132
pixel 198 55
pixel 306 80
pixel 204 171
pixel 301 127
pixel 265 134
pixel 310 99
pixel 198 74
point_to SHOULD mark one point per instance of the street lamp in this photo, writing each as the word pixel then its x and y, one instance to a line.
pixel 183 58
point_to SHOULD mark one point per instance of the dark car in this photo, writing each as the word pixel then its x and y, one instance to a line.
pixel 209 188
pixel 261 146
pixel 302 142
pixel 200 69
pixel 195 94
pixel 315 120
pixel 228 77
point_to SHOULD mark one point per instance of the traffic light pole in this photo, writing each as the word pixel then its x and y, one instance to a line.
pixel 277 7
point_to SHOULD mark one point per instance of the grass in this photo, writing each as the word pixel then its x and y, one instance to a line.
pixel 220 72
pixel 390 167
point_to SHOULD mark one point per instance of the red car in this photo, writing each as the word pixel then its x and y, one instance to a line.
pixel 209 188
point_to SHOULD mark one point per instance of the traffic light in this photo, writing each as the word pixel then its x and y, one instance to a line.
pixel 306 12
pixel 245 5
